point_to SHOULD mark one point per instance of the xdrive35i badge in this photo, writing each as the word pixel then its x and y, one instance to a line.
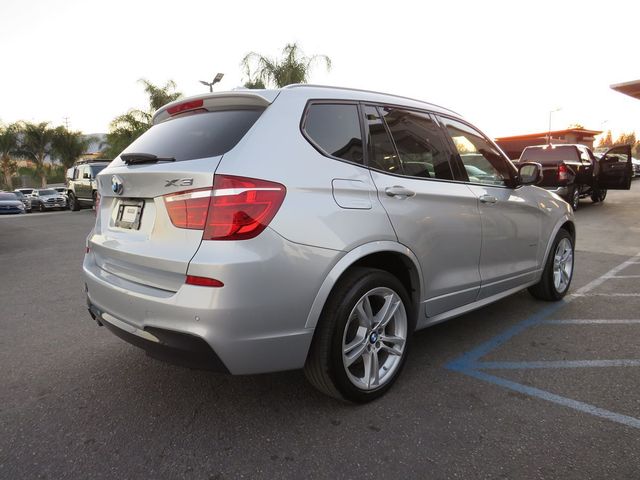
pixel 117 185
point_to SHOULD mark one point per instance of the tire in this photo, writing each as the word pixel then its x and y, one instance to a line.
pixel 574 199
pixel 74 205
pixel 355 300
pixel 42 209
pixel 550 287
pixel 93 196
pixel 599 195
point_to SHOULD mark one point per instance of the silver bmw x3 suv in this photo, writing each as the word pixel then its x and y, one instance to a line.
pixel 317 228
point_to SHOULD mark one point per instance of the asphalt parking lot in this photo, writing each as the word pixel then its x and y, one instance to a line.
pixel 519 389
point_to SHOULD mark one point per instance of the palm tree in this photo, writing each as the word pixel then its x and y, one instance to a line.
pixel 293 67
pixel 125 128
pixel 9 143
pixel 37 144
pixel 69 146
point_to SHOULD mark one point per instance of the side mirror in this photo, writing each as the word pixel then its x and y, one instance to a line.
pixel 530 173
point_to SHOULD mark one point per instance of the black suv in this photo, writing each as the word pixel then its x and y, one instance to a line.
pixel 81 183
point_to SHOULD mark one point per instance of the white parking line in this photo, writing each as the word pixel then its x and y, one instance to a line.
pixel 611 273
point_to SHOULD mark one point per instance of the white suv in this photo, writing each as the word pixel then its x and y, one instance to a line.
pixel 317 228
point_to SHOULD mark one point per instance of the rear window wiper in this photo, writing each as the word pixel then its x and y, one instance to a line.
pixel 136 158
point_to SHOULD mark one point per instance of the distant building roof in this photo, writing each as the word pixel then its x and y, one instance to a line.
pixel 554 133
pixel 628 88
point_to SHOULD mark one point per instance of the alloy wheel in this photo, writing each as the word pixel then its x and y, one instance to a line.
pixel 374 338
pixel 562 265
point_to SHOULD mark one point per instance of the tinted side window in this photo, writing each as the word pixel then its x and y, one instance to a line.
pixel 335 129
pixel 420 146
pixel 482 162
pixel 200 135
pixel 382 154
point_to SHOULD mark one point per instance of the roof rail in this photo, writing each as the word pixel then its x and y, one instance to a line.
pixel 311 85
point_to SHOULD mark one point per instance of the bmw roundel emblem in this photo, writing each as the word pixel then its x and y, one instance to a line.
pixel 117 185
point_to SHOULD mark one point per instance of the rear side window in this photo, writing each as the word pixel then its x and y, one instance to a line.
pixel 382 154
pixel 335 130
pixel 420 146
pixel 198 135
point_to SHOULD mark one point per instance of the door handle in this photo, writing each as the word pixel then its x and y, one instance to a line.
pixel 488 199
pixel 399 191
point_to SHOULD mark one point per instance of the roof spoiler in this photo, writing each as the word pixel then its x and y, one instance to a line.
pixel 216 101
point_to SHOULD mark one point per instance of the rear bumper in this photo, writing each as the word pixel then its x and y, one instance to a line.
pixel 174 347
pixel 254 324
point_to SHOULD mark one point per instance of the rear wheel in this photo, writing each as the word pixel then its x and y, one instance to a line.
pixel 575 198
pixel 599 195
pixel 73 203
pixel 558 270
pixel 362 337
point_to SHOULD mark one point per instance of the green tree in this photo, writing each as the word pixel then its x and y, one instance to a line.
pixel 9 145
pixel 125 128
pixel 69 146
pixel 293 67
pixel 606 141
pixel 37 144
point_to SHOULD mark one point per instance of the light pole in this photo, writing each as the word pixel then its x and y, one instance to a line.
pixel 216 79
pixel 549 131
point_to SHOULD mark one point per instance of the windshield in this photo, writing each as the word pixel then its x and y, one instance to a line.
pixel 8 196
pixel 48 191
pixel 200 135
pixel 19 195
pixel 96 169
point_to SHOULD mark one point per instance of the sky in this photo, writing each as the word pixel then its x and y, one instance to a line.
pixel 503 65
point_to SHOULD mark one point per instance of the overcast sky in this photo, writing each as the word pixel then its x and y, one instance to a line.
pixel 503 65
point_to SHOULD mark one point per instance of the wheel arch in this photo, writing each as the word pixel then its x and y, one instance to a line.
pixel 392 257
pixel 565 222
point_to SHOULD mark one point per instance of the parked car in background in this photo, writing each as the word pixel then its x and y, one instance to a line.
pixel 10 203
pixel 81 183
pixel 25 200
pixel 317 228
pixel 636 167
pixel 28 192
pixel 574 172
pixel 62 191
pixel 47 199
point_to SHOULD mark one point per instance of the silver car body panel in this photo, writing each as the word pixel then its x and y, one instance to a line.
pixel 465 254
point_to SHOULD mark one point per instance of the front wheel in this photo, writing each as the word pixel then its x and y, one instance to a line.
pixel 42 209
pixel 558 270
pixel 362 338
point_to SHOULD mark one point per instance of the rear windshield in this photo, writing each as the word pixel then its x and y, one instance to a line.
pixel 198 135
pixel 8 196
pixel 549 154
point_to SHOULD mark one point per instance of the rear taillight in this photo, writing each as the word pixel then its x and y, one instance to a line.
pixel 563 172
pixel 237 208
pixel 188 209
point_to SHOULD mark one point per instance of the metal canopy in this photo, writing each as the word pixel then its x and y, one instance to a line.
pixel 628 88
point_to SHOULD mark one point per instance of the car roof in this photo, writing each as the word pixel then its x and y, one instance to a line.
pixel 263 98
